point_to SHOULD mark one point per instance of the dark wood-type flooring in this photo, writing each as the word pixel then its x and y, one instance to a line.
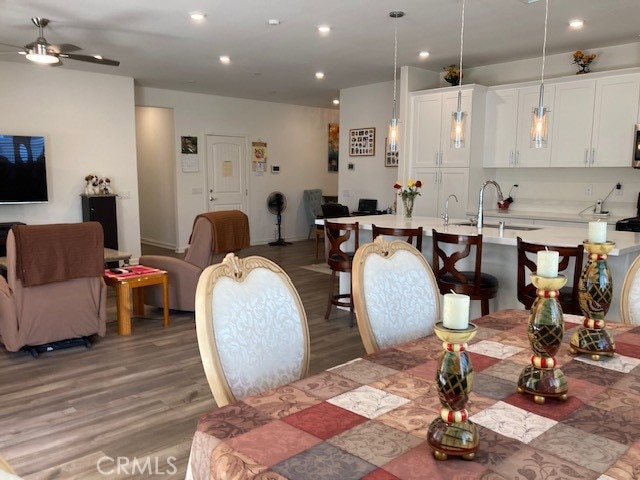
pixel 138 396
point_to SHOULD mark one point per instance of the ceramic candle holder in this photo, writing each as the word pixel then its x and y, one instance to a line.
pixel 595 292
pixel 546 328
pixel 452 433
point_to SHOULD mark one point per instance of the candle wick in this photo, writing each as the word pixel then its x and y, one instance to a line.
pixel 546 248
pixel 451 290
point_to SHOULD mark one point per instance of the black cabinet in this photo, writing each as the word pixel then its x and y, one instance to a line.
pixel 102 208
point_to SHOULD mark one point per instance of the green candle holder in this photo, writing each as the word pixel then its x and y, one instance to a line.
pixel 452 433
pixel 546 328
pixel 595 289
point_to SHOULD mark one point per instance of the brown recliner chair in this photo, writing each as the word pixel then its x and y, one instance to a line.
pixel 213 232
pixel 54 295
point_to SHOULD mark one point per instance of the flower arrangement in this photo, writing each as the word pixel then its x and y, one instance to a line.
pixel 408 194
pixel 453 74
pixel 410 191
pixel 583 60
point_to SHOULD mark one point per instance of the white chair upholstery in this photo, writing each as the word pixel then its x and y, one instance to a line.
pixel 395 293
pixel 630 295
pixel 251 326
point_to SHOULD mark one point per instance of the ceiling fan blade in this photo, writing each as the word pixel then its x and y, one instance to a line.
pixel 90 59
pixel 65 48
pixel 9 45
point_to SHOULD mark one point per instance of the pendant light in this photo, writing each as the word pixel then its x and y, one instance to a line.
pixel 393 123
pixel 458 117
pixel 540 114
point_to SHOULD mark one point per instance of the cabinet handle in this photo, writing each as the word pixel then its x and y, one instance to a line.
pixel 511 158
pixel 593 156
pixel 586 157
pixel 517 158
pixel 436 158
pixel 441 159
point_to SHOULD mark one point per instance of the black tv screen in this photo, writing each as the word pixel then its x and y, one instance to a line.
pixel 23 173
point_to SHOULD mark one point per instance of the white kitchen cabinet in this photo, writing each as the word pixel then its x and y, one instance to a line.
pixel 508 127
pixel 594 122
pixel 430 129
pixel 437 185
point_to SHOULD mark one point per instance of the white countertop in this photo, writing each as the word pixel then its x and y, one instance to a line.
pixel 553 216
pixel 626 242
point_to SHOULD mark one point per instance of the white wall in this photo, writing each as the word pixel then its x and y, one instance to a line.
pixel 88 122
pixel 156 180
pixel 362 107
pixel 297 139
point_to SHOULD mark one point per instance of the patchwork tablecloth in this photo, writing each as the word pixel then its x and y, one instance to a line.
pixel 369 418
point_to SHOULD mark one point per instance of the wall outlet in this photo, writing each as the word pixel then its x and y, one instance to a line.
pixel 588 190
pixel 619 189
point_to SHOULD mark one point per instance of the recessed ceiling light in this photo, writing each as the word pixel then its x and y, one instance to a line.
pixel 225 59
pixel 274 21
pixel 423 54
pixel 197 16
pixel 336 101
pixel 324 28
pixel 319 75
pixel 576 23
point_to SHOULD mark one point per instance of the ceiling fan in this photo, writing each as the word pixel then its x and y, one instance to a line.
pixel 45 53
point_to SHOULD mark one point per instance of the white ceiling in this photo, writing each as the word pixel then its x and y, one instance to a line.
pixel 159 46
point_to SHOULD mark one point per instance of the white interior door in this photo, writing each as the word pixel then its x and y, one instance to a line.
pixel 226 173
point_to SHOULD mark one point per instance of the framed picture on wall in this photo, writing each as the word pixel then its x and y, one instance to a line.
pixel 334 139
pixel 390 158
pixel 362 142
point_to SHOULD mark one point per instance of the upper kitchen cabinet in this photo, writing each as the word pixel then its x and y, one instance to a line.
pixel 508 127
pixel 593 122
pixel 430 128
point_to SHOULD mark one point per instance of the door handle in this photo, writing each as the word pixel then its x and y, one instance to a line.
pixel 212 199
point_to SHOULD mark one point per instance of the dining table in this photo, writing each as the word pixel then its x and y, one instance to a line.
pixel 369 418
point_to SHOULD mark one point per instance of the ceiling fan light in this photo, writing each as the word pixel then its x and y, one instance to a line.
pixel 39 54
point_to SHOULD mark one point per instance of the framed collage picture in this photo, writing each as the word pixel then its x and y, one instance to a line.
pixel 390 158
pixel 362 142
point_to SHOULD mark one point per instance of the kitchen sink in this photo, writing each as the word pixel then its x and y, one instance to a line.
pixel 493 225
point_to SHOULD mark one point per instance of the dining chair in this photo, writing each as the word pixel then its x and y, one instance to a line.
pixel 409 233
pixel 339 259
pixel 251 327
pixel 450 277
pixel 630 294
pixel 314 200
pixel 526 291
pixel 395 294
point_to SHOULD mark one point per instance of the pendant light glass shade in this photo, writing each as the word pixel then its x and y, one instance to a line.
pixel 540 114
pixel 392 136
pixel 458 125
pixel 458 117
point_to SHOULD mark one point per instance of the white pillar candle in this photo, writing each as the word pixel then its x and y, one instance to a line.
pixel 597 232
pixel 455 313
pixel 547 265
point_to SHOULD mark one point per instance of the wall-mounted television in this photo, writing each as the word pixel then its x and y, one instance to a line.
pixel 23 172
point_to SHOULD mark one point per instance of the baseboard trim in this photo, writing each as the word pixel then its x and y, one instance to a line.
pixel 155 243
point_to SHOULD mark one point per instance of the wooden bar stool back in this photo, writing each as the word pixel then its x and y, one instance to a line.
pixel 411 234
pixel 527 263
pixel 339 259
pixel 478 285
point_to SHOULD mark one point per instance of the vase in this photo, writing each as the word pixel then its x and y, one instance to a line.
pixel 583 69
pixel 407 202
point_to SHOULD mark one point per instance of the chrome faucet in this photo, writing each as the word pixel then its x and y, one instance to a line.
pixel 481 200
pixel 445 215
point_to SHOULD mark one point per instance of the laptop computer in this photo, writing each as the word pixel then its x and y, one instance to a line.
pixel 367 206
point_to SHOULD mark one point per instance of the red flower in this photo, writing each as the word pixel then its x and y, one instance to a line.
pixel 418 184
pixel 397 186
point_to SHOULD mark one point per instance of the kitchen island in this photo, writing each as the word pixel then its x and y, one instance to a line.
pixel 500 256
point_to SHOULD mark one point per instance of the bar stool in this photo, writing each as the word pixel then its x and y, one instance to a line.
pixel 410 233
pixel 478 285
pixel 340 260
pixel 568 293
